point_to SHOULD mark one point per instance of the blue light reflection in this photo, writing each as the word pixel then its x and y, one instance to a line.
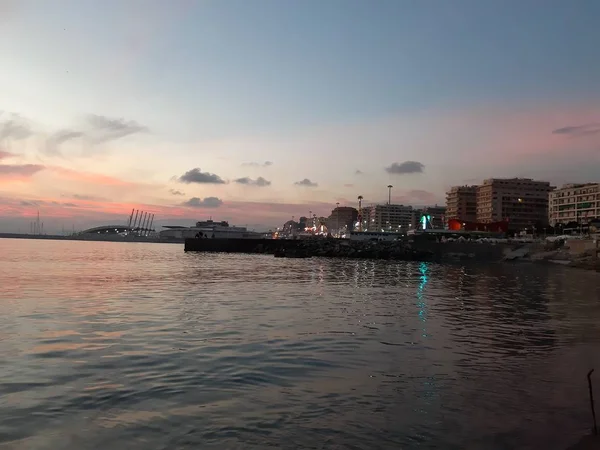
pixel 423 269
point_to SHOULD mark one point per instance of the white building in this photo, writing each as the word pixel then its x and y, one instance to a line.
pixel 208 229
pixel 390 218
pixel 575 203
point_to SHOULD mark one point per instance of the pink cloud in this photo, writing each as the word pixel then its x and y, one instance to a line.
pixel 18 172
pixel 4 154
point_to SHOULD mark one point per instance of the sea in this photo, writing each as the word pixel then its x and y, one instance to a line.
pixel 107 345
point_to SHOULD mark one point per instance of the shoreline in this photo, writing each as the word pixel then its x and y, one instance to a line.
pixel 575 253
pixel 91 237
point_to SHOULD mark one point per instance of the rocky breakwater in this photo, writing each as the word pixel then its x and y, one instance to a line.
pixel 399 250
pixel 579 253
pixel 343 248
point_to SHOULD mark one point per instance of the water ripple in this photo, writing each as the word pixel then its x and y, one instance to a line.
pixel 134 346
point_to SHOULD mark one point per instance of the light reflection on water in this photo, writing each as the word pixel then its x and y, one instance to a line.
pixel 134 346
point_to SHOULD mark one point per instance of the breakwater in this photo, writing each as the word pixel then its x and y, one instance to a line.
pixel 402 250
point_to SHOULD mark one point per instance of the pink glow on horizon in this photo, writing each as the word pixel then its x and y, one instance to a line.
pixel 62 208
pixel 90 177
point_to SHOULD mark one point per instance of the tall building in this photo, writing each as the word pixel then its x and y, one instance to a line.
pixel 342 216
pixel 575 203
pixel 461 203
pixel 396 218
pixel 521 201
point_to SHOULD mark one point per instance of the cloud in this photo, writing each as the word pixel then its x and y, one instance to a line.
pixel 306 182
pixel 29 203
pixel 176 192
pixel 20 170
pixel 196 176
pixel 13 126
pixel 84 197
pixel 358 172
pixel 5 155
pixel 260 182
pixel 37 203
pixel 579 130
pixel 405 168
pixel 208 202
pixel 107 129
pixel 256 164
pixel 349 185
pixel 55 140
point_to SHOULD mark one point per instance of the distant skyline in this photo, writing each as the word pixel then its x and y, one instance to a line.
pixel 254 111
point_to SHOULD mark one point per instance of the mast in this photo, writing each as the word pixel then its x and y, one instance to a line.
pixel 135 220
pixel 143 224
pixel 130 218
pixel 150 227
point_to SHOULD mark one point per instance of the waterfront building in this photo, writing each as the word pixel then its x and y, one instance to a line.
pixel 461 203
pixel 575 203
pixel 389 218
pixel 342 217
pixel 208 229
pixel 523 202
pixel 302 222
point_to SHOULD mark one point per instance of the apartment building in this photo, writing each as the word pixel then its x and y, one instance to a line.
pixel 396 218
pixel 461 203
pixel 521 201
pixel 575 203
pixel 342 217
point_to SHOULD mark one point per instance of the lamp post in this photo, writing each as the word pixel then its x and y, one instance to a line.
pixel 337 218
pixel 389 213
pixel 360 197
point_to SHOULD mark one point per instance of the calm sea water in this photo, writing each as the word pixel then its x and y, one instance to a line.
pixel 142 346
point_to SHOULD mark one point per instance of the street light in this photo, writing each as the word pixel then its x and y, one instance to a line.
pixel 360 197
pixel 337 218
pixel 389 214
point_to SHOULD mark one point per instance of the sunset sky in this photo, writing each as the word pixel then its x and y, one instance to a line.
pixel 256 110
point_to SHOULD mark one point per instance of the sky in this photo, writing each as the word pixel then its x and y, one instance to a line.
pixel 257 111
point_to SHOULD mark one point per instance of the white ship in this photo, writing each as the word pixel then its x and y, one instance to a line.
pixel 208 229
